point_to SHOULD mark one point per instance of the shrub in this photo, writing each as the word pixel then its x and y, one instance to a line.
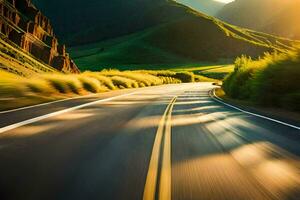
pixel 91 84
pixel 11 85
pixel 270 80
pixel 122 82
pixel 46 87
pixel 169 80
pixel 138 76
pixel 106 81
pixel 185 77
pixel 57 83
pixel 63 83
pixel 39 86
pixel 75 86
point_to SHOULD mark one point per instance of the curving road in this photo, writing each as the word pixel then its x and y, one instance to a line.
pixel 172 142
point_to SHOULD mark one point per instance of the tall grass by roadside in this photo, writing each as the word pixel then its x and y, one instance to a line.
pixel 271 81
pixel 184 77
pixel 106 81
pixel 16 91
pixel 142 79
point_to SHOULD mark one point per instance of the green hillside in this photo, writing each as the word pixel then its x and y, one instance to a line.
pixel 151 34
pixel 81 22
pixel 194 38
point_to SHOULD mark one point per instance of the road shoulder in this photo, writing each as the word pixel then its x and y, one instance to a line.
pixel 286 116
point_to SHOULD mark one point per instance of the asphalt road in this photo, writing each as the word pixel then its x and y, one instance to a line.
pixel 161 143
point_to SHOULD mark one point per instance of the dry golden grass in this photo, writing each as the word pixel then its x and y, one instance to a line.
pixel 18 91
pixel 200 78
pixel 106 81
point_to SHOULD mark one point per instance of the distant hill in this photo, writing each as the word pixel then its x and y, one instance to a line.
pixel 209 7
pixel 151 32
pixel 103 19
pixel 279 17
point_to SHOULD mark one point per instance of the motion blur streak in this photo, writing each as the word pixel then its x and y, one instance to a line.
pixel 206 150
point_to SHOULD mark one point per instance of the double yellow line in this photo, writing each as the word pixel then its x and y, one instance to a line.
pixel 164 186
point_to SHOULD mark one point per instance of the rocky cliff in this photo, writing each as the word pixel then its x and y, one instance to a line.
pixel 23 24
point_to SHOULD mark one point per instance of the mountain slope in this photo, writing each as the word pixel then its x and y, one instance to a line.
pixel 272 16
pixel 192 39
pixel 159 32
pixel 100 19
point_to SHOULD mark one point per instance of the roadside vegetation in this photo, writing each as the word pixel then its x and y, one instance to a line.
pixel 212 72
pixel 272 80
pixel 17 91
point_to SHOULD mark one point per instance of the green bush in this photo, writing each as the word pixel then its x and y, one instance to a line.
pixel 39 86
pixel 106 81
pixel 185 77
pixel 272 80
pixel 169 80
pixel 75 87
pixel 47 87
pixel 91 84
pixel 122 82
pixel 59 85
pixel 141 77
pixel 63 83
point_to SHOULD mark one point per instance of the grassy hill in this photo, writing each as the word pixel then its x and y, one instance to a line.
pixel 101 20
pixel 192 39
pixel 151 34
pixel 80 22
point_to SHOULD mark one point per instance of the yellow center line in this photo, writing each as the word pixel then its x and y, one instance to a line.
pixel 165 179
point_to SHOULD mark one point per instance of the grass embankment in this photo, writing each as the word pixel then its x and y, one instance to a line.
pixel 17 91
pixel 212 72
pixel 272 81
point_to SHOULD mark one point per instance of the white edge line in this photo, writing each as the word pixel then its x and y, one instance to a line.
pixel 46 103
pixel 250 113
pixel 36 119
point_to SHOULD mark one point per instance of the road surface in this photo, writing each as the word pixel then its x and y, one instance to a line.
pixel 160 143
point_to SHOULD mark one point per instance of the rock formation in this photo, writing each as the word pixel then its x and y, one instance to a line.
pixel 28 28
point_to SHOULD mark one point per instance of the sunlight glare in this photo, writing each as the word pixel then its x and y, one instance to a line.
pixel 224 1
